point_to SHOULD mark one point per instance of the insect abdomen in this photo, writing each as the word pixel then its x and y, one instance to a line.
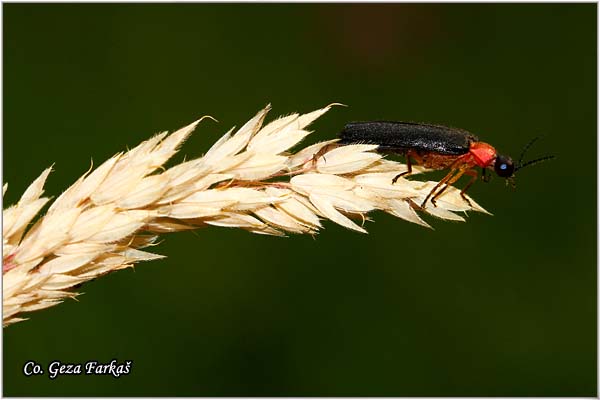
pixel 402 136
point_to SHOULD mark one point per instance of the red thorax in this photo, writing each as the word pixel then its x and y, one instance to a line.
pixel 483 154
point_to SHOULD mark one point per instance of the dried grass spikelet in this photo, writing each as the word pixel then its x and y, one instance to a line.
pixel 246 180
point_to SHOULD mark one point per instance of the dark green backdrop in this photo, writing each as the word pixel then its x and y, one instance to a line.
pixel 497 306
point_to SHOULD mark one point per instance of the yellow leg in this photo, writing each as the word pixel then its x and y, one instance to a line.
pixel 473 174
pixel 436 187
pixel 456 177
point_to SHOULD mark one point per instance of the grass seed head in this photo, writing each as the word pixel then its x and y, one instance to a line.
pixel 246 180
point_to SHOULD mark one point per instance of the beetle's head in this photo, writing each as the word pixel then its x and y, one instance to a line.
pixel 504 166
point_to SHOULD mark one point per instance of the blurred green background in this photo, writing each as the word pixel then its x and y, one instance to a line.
pixel 496 306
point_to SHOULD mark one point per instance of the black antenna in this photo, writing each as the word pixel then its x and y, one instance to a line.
pixel 527 146
pixel 537 160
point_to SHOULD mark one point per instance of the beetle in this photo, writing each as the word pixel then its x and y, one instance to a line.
pixel 437 147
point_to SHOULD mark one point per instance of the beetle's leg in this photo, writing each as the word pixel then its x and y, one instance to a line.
pixel 436 187
pixel 473 174
pixel 321 153
pixel 408 165
pixel 484 175
pixel 408 154
pixel 459 164
pixel 462 170
pixel 449 182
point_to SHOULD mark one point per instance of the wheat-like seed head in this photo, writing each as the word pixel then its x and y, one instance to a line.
pixel 246 180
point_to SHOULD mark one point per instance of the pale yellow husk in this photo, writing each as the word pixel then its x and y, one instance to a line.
pixel 246 180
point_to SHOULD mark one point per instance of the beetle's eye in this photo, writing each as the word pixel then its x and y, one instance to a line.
pixel 504 166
